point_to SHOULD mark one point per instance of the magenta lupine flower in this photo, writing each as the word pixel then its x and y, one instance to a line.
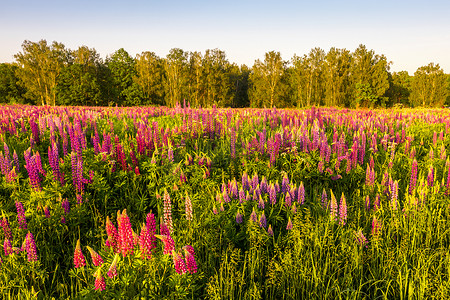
pixel 270 230
pixel 333 207
pixel 16 161
pixel 233 142
pixel 301 194
pixel 96 258
pixel 272 194
pixel 376 228
pixel 324 199
pixel 288 199
pixel 112 271
pixel 21 215
pixel 253 216
pixel 394 195
pixel 188 208
pixel 7 247
pixel 262 220
pixel 285 184
pixel 245 183
pixel 241 196
pixel 30 247
pixel 360 238
pixel 168 212
pixel 261 203
pixel 430 177
pixel 100 283
pixel 113 236
pixel 66 206
pixel 226 199
pixel 46 212
pixel 263 185
pixel 189 254
pixel 126 238
pixel 255 181
pixel 145 242
pixel 169 244
pixel 239 217
pixel 6 228
pixel 342 210
pixel 78 257
pixel 178 262
pixel 151 224
pixel 289 225
pixel 376 203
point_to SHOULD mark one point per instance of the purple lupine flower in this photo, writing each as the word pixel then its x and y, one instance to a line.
pixel 263 186
pixel 233 142
pixel 239 218
pixel 245 183
pixel 342 210
pixel 225 196
pixel 272 194
pixel 262 220
pixel 301 194
pixel 333 207
pixel 270 230
pixel 261 203
pixel 66 206
pixel 324 199
pixel 21 215
pixel 46 212
pixel 288 199
pixel 413 180
pixel 168 211
pixel 234 189
pixel 241 196
pixel 253 216
pixel 285 184
pixel 289 225
pixel 255 181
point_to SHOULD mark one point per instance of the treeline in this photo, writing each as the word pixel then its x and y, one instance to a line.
pixel 51 74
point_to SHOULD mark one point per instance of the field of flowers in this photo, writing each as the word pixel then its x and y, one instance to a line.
pixel 184 203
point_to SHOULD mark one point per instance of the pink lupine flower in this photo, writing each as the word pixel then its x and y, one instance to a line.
pixel 78 257
pixel 262 220
pixel 113 236
pixel 6 228
pixel 188 208
pixel 96 258
pixel 125 233
pixel 178 261
pixel 430 178
pixel 333 207
pixel 7 247
pixel 150 222
pixel 270 230
pixel 21 215
pixel 189 254
pixel 272 194
pixel 30 247
pixel 100 283
pixel 376 228
pixel 301 194
pixel 169 244
pixel 342 210
pixel 289 225
pixel 145 242
pixel 112 271
pixel 163 230
pixel 288 200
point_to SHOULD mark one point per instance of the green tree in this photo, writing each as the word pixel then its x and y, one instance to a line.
pixel 39 68
pixel 176 70
pixel 337 66
pixel 369 76
pixel 399 88
pixel 239 81
pixel 266 80
pixel 149 78
pixel 10 89
pixel 215 66
pixel 122 70
pixel 429 86
pixel 196 80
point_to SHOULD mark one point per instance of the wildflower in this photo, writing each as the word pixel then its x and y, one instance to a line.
pixel 112 271
pixel 289 224
pixel 151 224
pixel 288 200
pixel 333 207
pixel 376 228
pixel 6 228
pixel 270 230
pixel 342 210
pixel 168 212
pixel 376 203
pixel 285 184
pixel 301 194
pixel 272 194
pixel 178 262
pixel 113 236
pixel 7 247
pixel 241 196
pixel 430 178
pixel 78 257
pixel 262 220
pixel 394 195
pixel 100 283
pixel 188 208
pixel 125 233
pixel 30 247
pixel 360 238
pixel 253 216
pixel 96 258
pixel 261 203
pixel 21 215
pixel 189 254
pixel 66 206
pixel 169 244
pixel 46 212
pixel 238 217
pixel 145 242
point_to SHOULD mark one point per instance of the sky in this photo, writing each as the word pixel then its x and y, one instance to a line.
pixel 410 34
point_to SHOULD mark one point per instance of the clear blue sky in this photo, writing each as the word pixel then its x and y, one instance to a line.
pixel 410 33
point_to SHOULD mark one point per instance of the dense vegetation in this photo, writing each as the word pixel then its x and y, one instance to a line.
pixel 54 75
pixel 185 203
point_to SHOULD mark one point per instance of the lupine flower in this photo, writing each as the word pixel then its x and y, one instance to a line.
pixel 238 217
pixel 394 195
pixel 430 178
pixel 169 244
pixel 263 185
pixel 255 181
pixel 376 228
pixel 188 208
pixel 6 228
pixel 324 199
pixel 226 199
pixel 253 216
pixel 96 258
pixel 112 271
pixel 333 207
pixel 46 212
pixel 261 203
pixel 21 215
pixel 30 247
pixel 288 199
pixel 189 254
pixel 241 196
pixel 66 206
pixel 301 194
pixel 360 238
pixel 270 230
pixel 289 224
pixel 342 210
pixel 113 236
pixel 100 283
pixel 367 203
pixel 150 222
pixel 179 264
pixel 78 257
pixel 145 242
pixel 7 247
pixel 285 184
pixel 262 220
pixel 168 211
pixel 272 194
pixel 125 233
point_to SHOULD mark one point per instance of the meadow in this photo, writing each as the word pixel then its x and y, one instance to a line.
pixel 196 203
